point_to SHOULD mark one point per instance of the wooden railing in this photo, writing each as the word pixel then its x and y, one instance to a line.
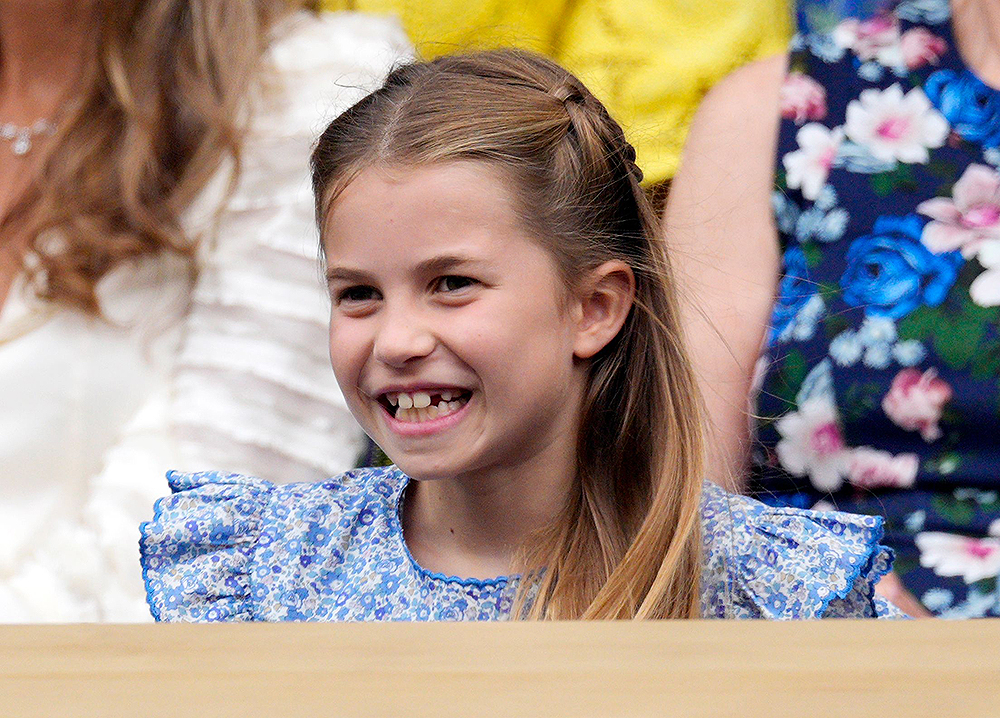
pixel 847 669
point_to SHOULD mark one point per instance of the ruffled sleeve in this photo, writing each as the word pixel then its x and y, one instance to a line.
pixel 197 552
pixel 786 563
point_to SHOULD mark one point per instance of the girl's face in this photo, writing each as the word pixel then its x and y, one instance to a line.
pixel 452 335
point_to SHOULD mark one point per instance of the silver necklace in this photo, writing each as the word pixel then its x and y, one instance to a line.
pixel 22 136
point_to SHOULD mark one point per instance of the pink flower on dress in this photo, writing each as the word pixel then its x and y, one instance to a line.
pixel 870 38
pixel 809 166
pixel 812 443
pixel 895 126
pixel 915 402
pixel 873 469
pixel 802 98
pixel 920 47
pixel 969 218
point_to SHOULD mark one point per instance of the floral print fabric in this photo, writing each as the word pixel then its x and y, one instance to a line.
pixel 226 547
pixel 879 382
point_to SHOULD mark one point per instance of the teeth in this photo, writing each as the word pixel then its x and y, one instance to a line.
pixel 446 395
pixel 410 411
pixel 421 400
pixel 393 399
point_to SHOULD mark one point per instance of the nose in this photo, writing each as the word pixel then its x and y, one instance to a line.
pixel 402 336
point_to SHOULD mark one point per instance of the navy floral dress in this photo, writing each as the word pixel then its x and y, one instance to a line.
pixel 879 388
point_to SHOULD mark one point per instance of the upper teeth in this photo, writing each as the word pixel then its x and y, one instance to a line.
pixel 419 399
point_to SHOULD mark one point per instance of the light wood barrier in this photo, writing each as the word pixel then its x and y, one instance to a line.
pixel 847 669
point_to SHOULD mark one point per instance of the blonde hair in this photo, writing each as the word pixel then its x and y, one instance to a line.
pixel 627 543
pixel 162 105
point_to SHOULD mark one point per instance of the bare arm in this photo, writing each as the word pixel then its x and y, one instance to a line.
pixel 724 248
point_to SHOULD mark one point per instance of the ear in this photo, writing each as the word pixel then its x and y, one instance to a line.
pixel 603 300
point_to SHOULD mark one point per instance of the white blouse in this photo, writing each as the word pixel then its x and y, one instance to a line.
pixel 231 374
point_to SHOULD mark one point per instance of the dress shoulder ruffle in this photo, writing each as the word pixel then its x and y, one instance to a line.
pixel 786 563
pixel 197 551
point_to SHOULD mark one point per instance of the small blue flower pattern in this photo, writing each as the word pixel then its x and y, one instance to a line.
pixel 226 547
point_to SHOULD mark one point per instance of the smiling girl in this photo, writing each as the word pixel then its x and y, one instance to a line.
pixel 504 326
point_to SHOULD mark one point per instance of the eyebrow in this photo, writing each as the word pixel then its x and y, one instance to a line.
pixel 433 265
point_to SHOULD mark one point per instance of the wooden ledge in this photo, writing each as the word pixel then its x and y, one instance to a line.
pixel 847 669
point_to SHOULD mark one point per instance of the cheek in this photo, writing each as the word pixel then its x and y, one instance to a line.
pixel 348 353
pixel 514 344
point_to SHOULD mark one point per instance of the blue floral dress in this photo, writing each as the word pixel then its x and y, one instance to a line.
pixel 879 389
pixel 232 548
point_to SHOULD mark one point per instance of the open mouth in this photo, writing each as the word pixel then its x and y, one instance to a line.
pixel 421 406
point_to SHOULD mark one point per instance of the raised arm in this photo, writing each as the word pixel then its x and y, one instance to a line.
pixel 724 248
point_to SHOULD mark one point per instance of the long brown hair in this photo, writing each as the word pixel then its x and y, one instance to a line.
pixel 163 104
pixel 627 544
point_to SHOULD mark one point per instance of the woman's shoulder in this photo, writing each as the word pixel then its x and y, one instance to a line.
pixel 322 63
pixel 307 41
pixel 787 563
pixel 199 549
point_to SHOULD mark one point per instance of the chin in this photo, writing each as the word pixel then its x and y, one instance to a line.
pixel 425 468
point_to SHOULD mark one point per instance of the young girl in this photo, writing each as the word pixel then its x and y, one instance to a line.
pixel 504 326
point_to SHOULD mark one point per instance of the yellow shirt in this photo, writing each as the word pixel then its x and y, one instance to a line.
pixel 649 61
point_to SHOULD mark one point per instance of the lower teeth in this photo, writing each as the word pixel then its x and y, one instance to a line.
pixel 434 411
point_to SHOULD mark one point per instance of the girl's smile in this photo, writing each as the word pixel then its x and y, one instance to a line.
pixel 419 412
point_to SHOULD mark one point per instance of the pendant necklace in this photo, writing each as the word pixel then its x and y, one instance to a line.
pixel 21 137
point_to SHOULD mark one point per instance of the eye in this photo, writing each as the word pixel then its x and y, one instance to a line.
pixel 357 294
pixel 453 283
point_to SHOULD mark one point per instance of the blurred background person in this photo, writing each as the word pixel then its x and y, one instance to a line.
pixel 837 223
pixel 162 306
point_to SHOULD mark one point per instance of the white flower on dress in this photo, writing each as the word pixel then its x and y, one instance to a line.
pixel 985 289
pixel 937 599
pixel 846 348
pixel 909 353
pixel 955 555
pixel 969 218
pixel 812 443
pixel 894 126
pixel 809 166
pixel 878 356
pixel 873 469
pixel 994 529
pixel 803 327
pixel 876 343
pixel 877 330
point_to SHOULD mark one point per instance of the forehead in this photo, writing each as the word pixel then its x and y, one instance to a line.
pixel 386 211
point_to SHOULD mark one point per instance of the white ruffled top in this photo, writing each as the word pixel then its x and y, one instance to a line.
pixel 232 373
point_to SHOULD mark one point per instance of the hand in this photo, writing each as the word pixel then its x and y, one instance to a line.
pixel 892 590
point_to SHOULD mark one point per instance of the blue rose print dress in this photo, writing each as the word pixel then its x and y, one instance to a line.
pixel 879 388
pixel 226 547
